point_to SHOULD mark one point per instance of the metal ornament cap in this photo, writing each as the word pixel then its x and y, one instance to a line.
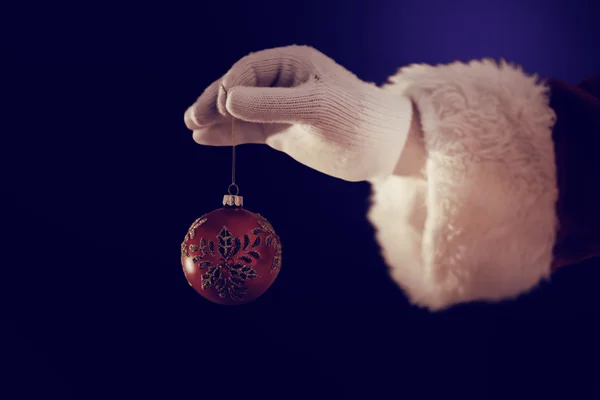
pixel 230 200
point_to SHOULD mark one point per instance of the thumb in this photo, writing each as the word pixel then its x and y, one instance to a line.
pixel 274 104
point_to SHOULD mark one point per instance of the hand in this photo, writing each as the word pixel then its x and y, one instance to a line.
pixel 299 101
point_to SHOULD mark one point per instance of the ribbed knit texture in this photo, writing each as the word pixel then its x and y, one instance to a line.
pixel 301 102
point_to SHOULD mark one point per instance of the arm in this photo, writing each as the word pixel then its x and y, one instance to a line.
pixel 476 167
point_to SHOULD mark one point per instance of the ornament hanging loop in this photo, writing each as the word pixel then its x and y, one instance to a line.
pixel 233 187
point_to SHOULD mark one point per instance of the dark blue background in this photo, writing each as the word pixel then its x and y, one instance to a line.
pixel 101 179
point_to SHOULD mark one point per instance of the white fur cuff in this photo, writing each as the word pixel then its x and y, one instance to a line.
pixel 480 223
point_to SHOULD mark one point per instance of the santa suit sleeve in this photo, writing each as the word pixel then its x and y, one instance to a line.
pixel 486 198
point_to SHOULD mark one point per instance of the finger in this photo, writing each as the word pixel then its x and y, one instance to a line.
pixel 221 135
pixel 275 105
pixel 280 67
pixel 204 111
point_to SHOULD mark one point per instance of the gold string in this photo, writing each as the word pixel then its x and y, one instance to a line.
pixel 233 184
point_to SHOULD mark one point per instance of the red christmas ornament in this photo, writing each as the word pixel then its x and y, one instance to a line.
pixel 231 255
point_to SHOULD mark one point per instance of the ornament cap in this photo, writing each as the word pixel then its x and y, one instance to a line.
pixel 230 200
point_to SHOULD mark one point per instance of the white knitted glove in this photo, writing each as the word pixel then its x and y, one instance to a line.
pixel 299 101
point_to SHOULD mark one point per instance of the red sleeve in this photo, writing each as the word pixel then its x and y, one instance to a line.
pixel 576 136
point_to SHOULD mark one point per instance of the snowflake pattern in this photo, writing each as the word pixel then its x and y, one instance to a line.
pixel 229 275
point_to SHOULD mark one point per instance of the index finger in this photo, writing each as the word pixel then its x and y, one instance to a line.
pixel 280 67
pixel 204 111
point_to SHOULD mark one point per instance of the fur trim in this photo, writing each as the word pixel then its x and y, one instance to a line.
pixel 480 222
